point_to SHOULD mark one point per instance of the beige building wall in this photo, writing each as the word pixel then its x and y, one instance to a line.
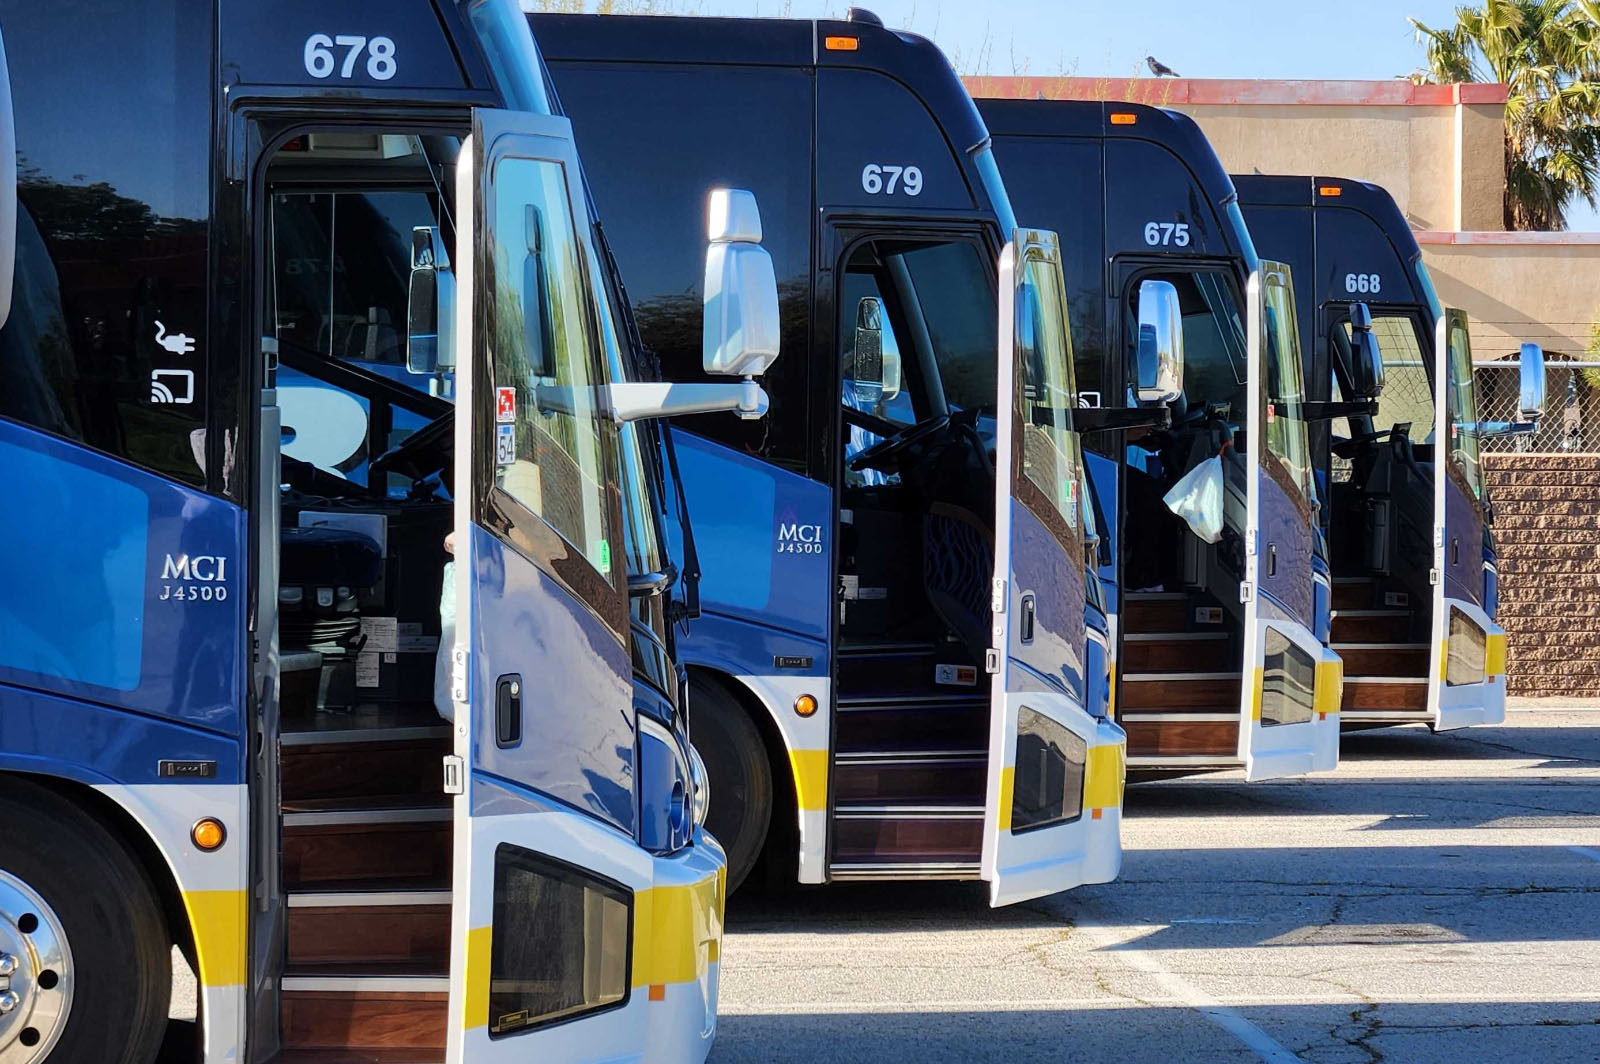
pixel 1516 288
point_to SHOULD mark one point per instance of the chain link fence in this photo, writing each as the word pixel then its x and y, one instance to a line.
pixel 1571 422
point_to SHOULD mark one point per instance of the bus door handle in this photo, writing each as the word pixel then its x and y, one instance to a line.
pixel 1029 610
pixel 508 710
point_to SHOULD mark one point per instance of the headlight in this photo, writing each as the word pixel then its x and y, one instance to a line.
pixel 702 787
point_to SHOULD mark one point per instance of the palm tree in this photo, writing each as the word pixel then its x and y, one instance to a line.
pixel 1548 53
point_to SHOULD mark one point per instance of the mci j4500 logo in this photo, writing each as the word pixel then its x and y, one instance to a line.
pixel 799 539
pixel 194 578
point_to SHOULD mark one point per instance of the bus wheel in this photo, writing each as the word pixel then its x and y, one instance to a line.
pixel 85 960
pixel 739 775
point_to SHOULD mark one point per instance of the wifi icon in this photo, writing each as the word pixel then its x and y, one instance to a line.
pixel 172 386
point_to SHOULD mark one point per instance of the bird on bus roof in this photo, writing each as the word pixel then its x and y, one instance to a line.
pixel 1160 69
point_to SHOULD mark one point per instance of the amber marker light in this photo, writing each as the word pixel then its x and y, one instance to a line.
pixel 208 834
pixel 1124 118
pixel 1331 191
pixel 805 705
pixel 840 44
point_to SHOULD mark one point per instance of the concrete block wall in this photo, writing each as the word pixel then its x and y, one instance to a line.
pixel 1547 531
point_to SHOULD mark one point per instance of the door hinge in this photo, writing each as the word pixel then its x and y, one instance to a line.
pixel 455 774
pixel 1247 591
pixel 458 673
pixel 1433 577
pixel 991 661
pixel 997 598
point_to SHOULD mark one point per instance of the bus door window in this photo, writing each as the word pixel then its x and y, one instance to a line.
pixel 865 279
pixel 552 445
pixel 1462 411
pixel 919 475
pixel 1210 415
pixel 340 267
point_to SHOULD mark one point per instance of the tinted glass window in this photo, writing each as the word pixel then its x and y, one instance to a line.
pixel 1047 787
pixel 1407 396
pixel 107 339
pixel 1468 651
pixel 654 143
pixel 342 264
pixel 954 290
pixel 1050 454
pixel 550 448
pixel 1463 412
pixel 1215 351
pixel 1288 682
pixel 1055 184
pixel 559 944
pixel 1285 384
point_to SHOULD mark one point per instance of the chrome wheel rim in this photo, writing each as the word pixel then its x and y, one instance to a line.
pixel 35 974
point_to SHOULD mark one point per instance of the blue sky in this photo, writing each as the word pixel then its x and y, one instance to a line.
pixel 1364 39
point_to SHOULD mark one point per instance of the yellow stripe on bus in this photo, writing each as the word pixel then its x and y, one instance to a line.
pixel 1494 654
pixel 1008 779
pixel 218 918
pixel 1103 777
pixel 475 996
pixel 810 769
pixel 1257 685
pixel 1328 687
pixel 677 932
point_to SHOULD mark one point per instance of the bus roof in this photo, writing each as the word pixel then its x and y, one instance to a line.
pixel 862 43
pixel 1173 130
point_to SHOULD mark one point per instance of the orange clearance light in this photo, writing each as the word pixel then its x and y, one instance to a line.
pixel 1124 118
pixel 1330 191
pixel 840 44
pixel 208 834
pixel 805 705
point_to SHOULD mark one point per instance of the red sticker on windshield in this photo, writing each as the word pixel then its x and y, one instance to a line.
pixel 505 405
pixel 1272 412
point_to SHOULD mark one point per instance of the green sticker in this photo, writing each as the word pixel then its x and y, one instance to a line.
pixel 605 555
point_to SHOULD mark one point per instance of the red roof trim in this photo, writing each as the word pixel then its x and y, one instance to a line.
pixel 1173 92
pixel 1495 238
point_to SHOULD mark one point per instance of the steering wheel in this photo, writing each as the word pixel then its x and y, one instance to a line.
pixel 424 452
pixel 886 453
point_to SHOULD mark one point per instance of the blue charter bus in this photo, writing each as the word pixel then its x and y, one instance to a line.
pixel 899 669
pixel 1220 639
pixel 1414 594
pixel 261 261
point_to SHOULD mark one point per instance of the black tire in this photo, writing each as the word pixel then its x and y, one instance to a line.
pixel 121 950
pixel 738 772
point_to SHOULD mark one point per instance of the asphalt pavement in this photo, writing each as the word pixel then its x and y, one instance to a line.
pixel 1435 899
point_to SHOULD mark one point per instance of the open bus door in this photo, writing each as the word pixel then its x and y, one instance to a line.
pixel 548 900
pixel 1055 772
pixel 1289 701
pixel 1467 683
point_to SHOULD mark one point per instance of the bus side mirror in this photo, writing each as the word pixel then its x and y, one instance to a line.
pixel 1530 403
pixel 875 359
pixel 430 305
pixel 1160 353
pixel 1366 360
pixel 740 331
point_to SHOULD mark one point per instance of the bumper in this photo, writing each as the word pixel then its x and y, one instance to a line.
pixel 677 951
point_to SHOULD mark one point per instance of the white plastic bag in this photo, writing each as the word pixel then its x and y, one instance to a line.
pixel 1197 498
pixel 442 699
